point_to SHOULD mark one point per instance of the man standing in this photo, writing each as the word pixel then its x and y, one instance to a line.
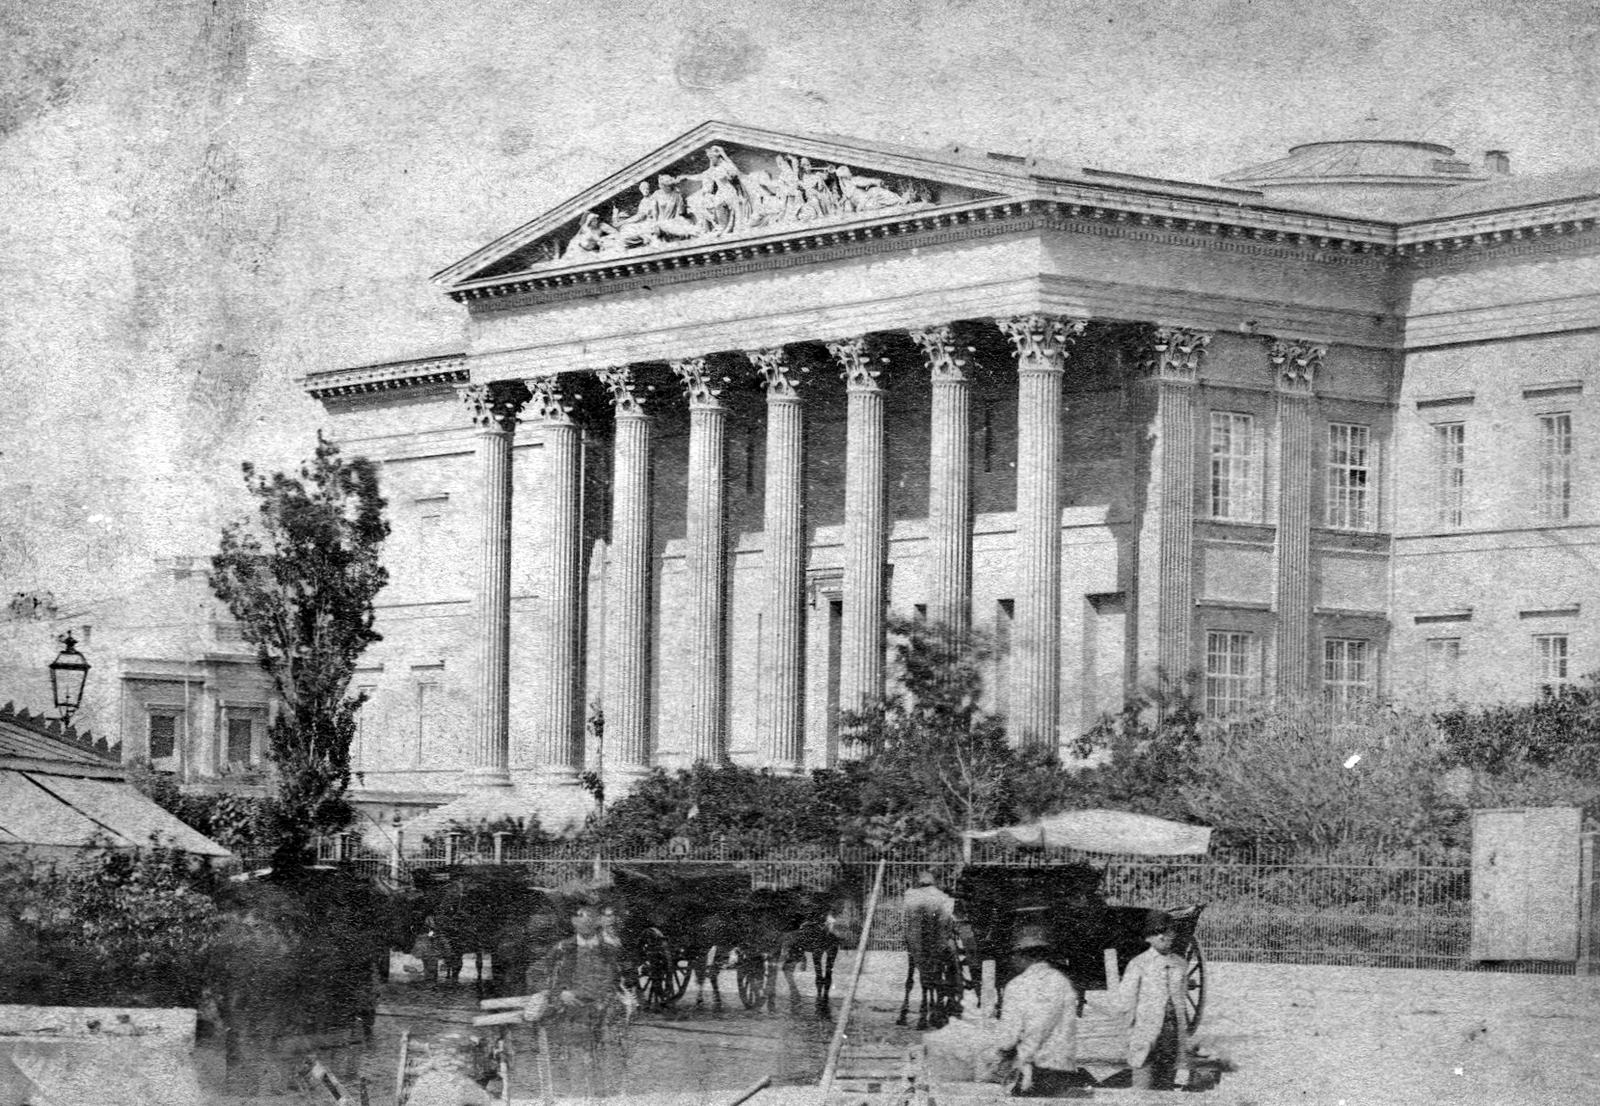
pixel 929 927
pixel 1040 1018
pixel 1154 994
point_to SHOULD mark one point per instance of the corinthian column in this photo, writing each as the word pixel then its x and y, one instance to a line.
pixel 866 536
pixel 707 562
pixel 949 482
pixel 1041 343
pixel 779 722
pixel 560 733
pixel 1295 365
pixel 493 409
pixel 1170 359
pixel 628 655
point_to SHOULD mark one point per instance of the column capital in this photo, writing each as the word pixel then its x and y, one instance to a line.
pixel 1041 341
pixel 856 367
pixel 946 360
pixel 495 406
pixel 781 376
pixel 1173 353
pixel 1295 365
pixel 701 386
pixel 553 402
pixel 628 396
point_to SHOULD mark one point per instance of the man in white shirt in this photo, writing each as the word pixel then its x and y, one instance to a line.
pixel 1040 1017
pixel 1154 994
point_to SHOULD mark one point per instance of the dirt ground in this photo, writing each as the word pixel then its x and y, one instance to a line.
pixel 1314 1035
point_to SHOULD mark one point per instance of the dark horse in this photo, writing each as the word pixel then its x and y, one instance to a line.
pixel 933 956
pixel 785 928
pixel 478 909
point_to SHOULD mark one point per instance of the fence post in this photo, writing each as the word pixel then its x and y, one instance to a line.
pixel 1588 905
pixel 394 859
pixel 449 849
pixel 499 846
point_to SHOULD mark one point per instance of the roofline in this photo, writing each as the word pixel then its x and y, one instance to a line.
pixel 1435 147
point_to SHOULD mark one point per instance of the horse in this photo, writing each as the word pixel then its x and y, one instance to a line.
pixel 785 927
pixel 932 956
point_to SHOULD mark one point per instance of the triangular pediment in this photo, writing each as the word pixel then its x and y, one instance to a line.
pixel 723 183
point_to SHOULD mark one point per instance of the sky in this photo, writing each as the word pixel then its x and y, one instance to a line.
pixel 204 202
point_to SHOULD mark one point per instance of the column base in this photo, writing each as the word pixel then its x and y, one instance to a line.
pixel 475 778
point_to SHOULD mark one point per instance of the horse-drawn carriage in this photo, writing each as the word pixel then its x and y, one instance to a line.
pixel 1090 938
pixel 682 923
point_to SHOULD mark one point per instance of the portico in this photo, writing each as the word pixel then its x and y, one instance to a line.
pixel 719 440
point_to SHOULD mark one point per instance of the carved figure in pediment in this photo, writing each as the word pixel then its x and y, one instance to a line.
pixel 662 216
pixel 722 203
pixel 864 193
pixel 819 194
pixel 594 238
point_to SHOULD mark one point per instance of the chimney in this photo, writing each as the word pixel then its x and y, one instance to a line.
pixel 1497 162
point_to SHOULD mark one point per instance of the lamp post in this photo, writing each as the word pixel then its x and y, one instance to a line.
pixel 67 674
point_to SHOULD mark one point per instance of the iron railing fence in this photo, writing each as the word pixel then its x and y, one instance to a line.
pixel 1347 908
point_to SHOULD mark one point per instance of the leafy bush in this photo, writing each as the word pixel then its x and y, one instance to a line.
pixel 111 927
pixel 1296 774
pixel 237 822
pixel 1559 730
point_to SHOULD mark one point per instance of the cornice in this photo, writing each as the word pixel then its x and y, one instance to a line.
pixel 425 372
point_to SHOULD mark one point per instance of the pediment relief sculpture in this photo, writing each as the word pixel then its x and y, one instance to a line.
pixel 717 198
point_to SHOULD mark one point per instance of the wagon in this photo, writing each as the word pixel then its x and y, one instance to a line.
pixel 1065 899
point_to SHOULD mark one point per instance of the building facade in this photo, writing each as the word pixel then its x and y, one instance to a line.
pixel 721 413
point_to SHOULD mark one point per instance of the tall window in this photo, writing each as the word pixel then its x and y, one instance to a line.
pixel 1349 495
pixel 241 741
pixel 1443 670
pixel 363 724
pixel 427 704
pixel 1347 671
pixel 163 736
pixel 1555 467
pixel 1235 469
pixel 1230 672
pixel 1450 473
pixel 1550 661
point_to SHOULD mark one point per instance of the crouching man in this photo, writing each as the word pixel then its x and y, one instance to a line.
pixel 1154 996
pixel 1040 1018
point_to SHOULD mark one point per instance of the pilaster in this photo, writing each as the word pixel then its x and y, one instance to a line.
pixel 494 409
pixel 781 732
pixel 1041 343
pixel 949 481
pixel 1294 368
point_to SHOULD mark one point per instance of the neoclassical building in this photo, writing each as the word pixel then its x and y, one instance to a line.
pixel 1321 430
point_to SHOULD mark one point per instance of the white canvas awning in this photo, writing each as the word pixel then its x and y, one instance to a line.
pixel 59 811
pixel 1107 831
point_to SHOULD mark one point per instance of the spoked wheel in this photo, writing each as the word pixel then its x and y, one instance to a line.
pixel 1195 982
pixel 752 975
pixel 662 978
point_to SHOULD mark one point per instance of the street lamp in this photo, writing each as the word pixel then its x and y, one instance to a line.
pixel 67 673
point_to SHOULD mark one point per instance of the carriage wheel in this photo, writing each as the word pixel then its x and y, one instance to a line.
pixel 752 976
pixel 662 980
pixel 1195 983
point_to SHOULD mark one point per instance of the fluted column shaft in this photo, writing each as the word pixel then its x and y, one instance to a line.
pixel 1041 343
pixel 780 720
pixel 1295 366
pixel 1171 358
pixel 628 659
pixel 560 733
pixel 949 483
pixel 866 537
pixel 706 563
pixel 493 408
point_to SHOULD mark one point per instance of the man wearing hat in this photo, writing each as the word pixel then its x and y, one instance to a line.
pixel 1154 994
pixel 1040 1016
pixel 928 924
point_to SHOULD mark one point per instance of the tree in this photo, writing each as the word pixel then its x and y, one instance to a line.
pixel 300 579
pixel 934 763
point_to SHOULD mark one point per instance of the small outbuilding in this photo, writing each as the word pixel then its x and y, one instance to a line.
pixel 61 790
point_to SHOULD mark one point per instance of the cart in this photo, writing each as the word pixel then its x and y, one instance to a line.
pixel 1091 940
